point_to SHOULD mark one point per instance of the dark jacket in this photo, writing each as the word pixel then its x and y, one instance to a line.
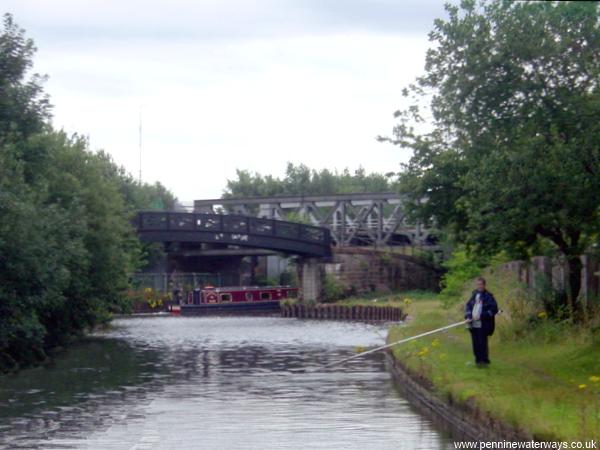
pixel 489 309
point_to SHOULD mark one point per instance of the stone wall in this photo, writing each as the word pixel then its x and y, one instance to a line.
pixel 557 271
pixel 367 270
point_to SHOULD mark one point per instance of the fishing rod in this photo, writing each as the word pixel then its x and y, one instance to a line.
pixel 401 341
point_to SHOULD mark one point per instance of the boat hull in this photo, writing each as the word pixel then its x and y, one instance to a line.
pixel 210 308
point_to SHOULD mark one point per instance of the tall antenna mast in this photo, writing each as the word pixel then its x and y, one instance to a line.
pixel 140 145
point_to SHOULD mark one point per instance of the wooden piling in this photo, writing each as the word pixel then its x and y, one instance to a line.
pixel 342 312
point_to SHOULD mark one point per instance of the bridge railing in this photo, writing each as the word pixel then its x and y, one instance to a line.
pixel 178 221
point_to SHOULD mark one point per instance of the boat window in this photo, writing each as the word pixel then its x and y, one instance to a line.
pixel 249 296
pixel 292 294
pixel 225 297
pixel 265 296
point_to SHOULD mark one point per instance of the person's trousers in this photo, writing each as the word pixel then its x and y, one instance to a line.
pixel 479 339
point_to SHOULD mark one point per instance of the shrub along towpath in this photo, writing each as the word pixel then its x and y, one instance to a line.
pixel 544 378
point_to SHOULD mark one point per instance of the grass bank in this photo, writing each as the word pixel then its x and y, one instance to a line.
pixel 544 377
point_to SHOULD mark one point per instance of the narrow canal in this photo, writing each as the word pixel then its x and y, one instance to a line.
pixel 213 383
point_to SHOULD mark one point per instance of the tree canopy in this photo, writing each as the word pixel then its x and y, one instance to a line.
pixel 66 243
pixel 511 158
pixel 301 180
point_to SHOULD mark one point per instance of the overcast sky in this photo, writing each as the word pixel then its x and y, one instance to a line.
pixel 230 84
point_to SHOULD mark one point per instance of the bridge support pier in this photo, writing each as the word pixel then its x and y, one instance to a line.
pixel 311 273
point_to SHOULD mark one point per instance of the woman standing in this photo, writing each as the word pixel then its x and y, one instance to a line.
pixel 480 311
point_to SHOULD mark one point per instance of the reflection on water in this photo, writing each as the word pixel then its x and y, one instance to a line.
pixel 212 383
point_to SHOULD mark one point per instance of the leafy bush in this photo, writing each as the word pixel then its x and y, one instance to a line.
pixel 147 299
pixel 333 289
pixel 262 280
pixel 288 279
pixel 462 269
pixel 298 218
pixel 531 315
pixel 551 300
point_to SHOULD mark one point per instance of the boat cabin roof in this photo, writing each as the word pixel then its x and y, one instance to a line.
pixel 246 288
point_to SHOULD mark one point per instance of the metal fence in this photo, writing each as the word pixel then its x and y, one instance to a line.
pixel 166 282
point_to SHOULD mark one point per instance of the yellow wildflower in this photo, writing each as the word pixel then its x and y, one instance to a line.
pixel 595 379
pixel 542 314
pixel 435 343
pixel 423 352
pixel 582 386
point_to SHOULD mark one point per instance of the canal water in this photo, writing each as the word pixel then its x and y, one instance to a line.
pixel 214 383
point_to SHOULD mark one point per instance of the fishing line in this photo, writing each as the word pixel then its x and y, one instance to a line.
pixel 401 341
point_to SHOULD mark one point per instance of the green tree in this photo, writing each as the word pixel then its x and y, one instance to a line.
pixel 67 245
pixel 24 107
pixel 137 195
pixel 512 154
pixel 301 180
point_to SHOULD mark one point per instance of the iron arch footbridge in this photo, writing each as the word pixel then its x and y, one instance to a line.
pixel 234 230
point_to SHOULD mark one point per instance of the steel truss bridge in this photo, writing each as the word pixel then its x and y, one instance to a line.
pixel 373 219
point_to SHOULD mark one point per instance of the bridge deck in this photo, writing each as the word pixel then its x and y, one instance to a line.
pixel 392 197
pixel 271 234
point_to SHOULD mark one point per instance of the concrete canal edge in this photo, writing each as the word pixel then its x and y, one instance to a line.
pixel 463 421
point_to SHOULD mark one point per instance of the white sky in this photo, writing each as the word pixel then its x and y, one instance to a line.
pixel 230 84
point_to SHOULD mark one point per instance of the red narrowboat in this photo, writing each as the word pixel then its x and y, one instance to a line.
pixel 235 298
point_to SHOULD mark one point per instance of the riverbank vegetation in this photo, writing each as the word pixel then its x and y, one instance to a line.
pixel 544 377
pixel 66 242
